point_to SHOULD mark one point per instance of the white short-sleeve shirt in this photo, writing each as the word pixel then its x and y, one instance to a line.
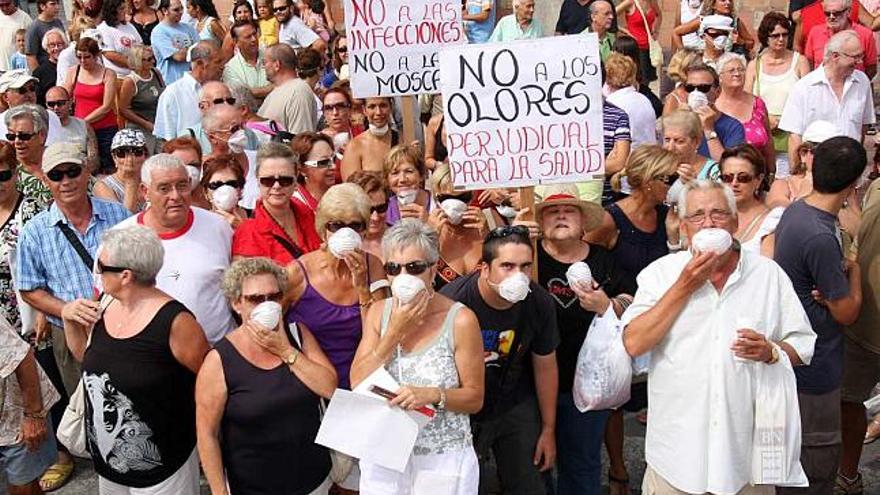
pixel 119 39
pixel 702 400
pixel 642 119
pixel 296 34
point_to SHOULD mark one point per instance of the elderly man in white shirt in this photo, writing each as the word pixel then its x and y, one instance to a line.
pixel 709 320
pixel 836 91
pixel 177 107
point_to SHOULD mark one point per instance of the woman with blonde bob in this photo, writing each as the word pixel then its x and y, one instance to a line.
pixel 637 230
pixel 682 134
pixel 620 82
pixel 405 175
pixel 677 72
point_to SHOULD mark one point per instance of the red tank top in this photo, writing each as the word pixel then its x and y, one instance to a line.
pixel 636 26
pixel 89 97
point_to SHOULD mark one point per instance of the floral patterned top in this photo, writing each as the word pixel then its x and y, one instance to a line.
pixel 433 366
pixel 33 187
pixel 26 208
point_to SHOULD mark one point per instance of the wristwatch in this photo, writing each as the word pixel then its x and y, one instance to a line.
pixel 774 355
pixel 290 360
pixel 712 135
pixel 441 404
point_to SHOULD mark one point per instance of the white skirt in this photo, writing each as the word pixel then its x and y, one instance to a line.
pixel 452 473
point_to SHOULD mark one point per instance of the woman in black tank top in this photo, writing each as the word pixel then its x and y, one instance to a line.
pixel 258 396
pixel 139 367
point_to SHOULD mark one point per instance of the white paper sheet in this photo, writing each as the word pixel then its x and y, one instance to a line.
pixel 368 428
pixel 383 379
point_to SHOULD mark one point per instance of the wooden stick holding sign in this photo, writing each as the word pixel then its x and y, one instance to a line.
pixel 527 200
pixel 410 115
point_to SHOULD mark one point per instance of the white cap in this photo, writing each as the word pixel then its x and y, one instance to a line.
pixel 716 21
pixel 819 131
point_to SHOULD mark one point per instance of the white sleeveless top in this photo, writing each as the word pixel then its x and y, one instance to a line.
pixel 767 227
pixel 774 89
pixel 688 14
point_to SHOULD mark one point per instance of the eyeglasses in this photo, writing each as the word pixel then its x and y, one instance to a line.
pixel 380 209
pixel 412 268
pixel 836 13
pixel 667 179
pixel 741 178
pixel 857 57
pixel 338 107
pixel 715 215
pixel 778 35
pixel 56 103
pixel 123 152
pixel 334 225
pixel 102 268
pixel 466 197
pixel 217 184
pixel 232 130
pixel 83 56
pixel 279 9
pixel 218 101
pixel 27 88
pixel 507 231
pixel 56 45
pixel 261 298
pixel 282 180
pixel 56 175
pixel 21 136
pixel 5 175
pixel 325 163
pixel 735 71
pixel 704 88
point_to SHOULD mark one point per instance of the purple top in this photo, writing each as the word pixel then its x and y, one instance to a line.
pixel 393 215
pixel 337 328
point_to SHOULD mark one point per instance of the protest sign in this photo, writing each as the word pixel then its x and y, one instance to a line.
pixel 394 43
pixel 523 113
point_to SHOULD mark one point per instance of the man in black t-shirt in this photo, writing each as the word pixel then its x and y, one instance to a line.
pixel 518 322
pixel 563 218
pixel 574 17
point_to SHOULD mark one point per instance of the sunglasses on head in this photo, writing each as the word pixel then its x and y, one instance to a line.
pixel 741 178
pixel 380 209
pixel 704 88
pixel 102 268
pixel 667 179
pixel 334 225
pixel 5 175
pixel 56 175
pixel 217 184
pixel 56 103
pixel 507 231
pixel 465 197
pixel 261 298
pixel 21 136
pixel 412 268
pixel 325 163
pixel 123 152
pixel 282 180
pixel 27 88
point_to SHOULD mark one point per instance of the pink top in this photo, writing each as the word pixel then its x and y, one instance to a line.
pixel 756 132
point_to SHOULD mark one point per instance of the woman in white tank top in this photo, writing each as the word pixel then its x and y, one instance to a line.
pixel 690 10
pixel 772 75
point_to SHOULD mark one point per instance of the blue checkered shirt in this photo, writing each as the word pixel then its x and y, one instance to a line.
pixel 46 260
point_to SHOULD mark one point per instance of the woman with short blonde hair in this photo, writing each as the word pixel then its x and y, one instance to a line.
pixel 405 175
pixel 677 72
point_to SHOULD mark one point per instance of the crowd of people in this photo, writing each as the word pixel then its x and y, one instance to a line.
pixel 204 234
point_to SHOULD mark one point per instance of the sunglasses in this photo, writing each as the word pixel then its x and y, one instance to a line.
pixel 261 298
pixel 228 100
pixel 778 35
pixel 507 231
pixel 714 34
pixel 338 107
pixel 334 225
pixel 5 175
pixel 102 268
pixel 342 49
pixel 282 180
pixel 835 13
pixel 325 163
pixel 741 178
pixel 412 268
pixel 217 184
pixel 704 88
pixel 56 103
pixel 380 209
pixel 27 88
pixel 21 136
pixel 123 152
pixel 279 9
pixel 464 197
pixel 56 175
pixel 667 179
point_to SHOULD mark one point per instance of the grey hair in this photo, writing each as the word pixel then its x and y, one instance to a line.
pixel 45 41
pixel 275 150
pixel 729 57
pixel 208 85
pixel 243 97
pixel 161 161
pixel 214 116
pixel 705 185
pixel 137 248
pixel 236 274
pixel 202 50
pixel 593 4
pixel 136 56
pixel 36 114
pixel 411 232
pixel 284 54
pixel 835 44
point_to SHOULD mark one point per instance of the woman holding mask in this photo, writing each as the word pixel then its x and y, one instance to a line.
pixel 223 181
pixel 374 187
pixel 405 175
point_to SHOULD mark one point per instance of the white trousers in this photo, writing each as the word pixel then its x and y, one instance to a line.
pixel 185 481
pixel 452 473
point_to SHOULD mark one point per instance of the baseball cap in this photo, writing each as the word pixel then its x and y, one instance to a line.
pixel 61 153
pixel 14 79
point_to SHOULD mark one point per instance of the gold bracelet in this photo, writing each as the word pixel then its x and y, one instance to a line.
pixel 365 305
pixel 37 415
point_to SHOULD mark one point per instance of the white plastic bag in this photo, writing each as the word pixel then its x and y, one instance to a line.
pixel 776 444
pixel 603 373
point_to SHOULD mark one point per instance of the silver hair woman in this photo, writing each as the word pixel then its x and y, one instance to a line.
pixel 258 394
pixel 139 93
pixel 140 351
pixel 26 126
pixel 432 346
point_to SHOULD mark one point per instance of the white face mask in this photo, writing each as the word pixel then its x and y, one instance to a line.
pixel 237 141
pixel 267 314
pixel 514 288
pixel 506 211
pixel 454 209
pixel 720 42
pixel 195 175
pixel 697 99
pixel 379 131
pixel 712 239
pixel 225 198
pixel 406 287
pixel 343 241
pixel 694 4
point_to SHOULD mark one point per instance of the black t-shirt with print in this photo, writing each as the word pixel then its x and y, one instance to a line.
pixel 510 337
